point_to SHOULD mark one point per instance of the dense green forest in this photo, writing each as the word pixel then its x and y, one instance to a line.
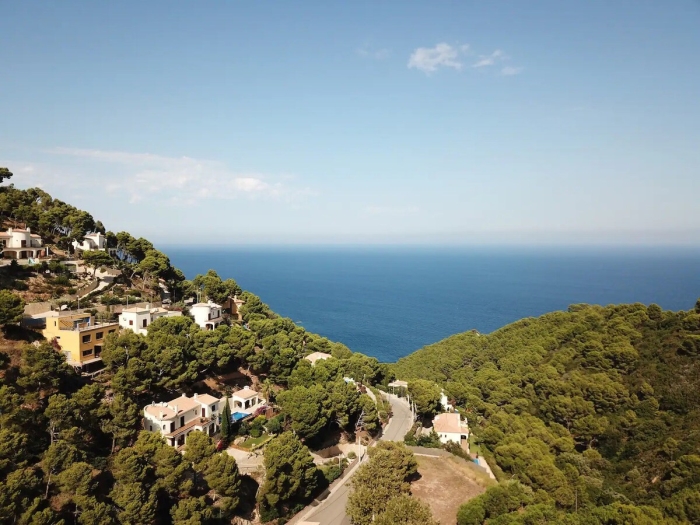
pixel 592 415
pixel 72 449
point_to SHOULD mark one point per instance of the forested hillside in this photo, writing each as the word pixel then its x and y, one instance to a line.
pixel 72 448
pixel 594 411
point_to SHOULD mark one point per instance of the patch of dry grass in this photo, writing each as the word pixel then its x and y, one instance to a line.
pixel 446 483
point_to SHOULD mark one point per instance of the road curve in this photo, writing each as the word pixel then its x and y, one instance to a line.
pixel 332 510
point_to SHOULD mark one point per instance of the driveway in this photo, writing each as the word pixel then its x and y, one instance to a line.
pixel 332 510
pixel 247 461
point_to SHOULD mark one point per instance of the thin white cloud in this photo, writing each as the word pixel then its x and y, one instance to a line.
pixel 174 180
pixel 430 59
pixel 511 70
pixel 489 60
pixel 368 51
pixel 395 211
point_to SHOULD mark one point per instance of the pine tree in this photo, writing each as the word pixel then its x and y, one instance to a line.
pixel 226 422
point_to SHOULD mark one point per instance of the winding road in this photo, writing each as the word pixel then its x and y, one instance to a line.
pixel 332 510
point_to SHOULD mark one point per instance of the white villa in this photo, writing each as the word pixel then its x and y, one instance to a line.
pixel 451 428
pixel 20 244
pixel 446 405
pixel 317 356
pixel 177 418
pixel 207 315
pixel 245 400
pixel 91 241
pixel 138 319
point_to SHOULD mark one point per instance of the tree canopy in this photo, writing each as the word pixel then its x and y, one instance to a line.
pixel 582 408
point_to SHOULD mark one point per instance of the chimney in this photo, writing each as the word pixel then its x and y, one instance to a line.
pixel 175 408
pixel 184 395
pixel 29 230
pixel 160 415
pixel 195 396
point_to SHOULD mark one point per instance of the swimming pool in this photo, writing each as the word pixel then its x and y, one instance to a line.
pixel 237 416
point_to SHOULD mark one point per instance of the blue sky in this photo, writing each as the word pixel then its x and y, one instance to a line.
pixel 369 122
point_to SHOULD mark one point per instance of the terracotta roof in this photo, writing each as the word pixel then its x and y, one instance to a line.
pixel 206 399
pixel 245 393
pixel 196 422
pixel 136 310
pixel 208 305
pixel 183 404
pixel 155 411
pixel 316 356
pixel 449 423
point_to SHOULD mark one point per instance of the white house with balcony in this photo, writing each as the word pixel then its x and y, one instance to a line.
pixel 91 241
pixel 139 318
pixel 175 419
pixel 207 315
pixel 246 400
pixel 451 428
pixel 20 244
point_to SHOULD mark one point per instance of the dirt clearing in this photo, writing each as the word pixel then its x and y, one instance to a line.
pixel 446 482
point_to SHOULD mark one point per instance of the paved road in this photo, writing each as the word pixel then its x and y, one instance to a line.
pixel 401 420
pixel 332 510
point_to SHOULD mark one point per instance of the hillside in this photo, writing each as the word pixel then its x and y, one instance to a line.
pixel 594 411
pixel 73 448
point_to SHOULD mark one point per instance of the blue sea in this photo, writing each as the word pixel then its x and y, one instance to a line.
pixel 387 302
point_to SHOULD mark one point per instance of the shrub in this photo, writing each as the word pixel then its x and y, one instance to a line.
pixel 243 428
pixel 62 280
pixel 19 285
pixel 256 427
pixel 268 514
pixel 331 472
pixel 432 440
pixel 352 455
pixel 274 425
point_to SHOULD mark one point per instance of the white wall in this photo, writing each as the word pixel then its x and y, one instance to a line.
pixel 137 319
pixel 448 436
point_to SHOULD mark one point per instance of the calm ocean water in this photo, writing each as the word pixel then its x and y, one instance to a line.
pixel 388 302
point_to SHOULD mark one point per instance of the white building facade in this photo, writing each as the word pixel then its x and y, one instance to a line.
pixel 246 400
pixel 207 315
pixel 452 429
pixel 91 241
pixel 138 319
pixel 21 244
pixel 175 419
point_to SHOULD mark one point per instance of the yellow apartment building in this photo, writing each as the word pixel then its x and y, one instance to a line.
pixel 80 339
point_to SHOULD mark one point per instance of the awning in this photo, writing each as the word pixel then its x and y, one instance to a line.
pixel 89 361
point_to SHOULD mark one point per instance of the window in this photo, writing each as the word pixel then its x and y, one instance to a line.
pixel 99 335
pixel 195 411
pixel 213 408
pixel 86 338
pixel 87 352
pixel 145 323
pixel 163 427
pixel 150 427
pixel 131 322
pixel 112 331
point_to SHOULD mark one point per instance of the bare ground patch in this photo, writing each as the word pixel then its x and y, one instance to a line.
pixel 446 483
